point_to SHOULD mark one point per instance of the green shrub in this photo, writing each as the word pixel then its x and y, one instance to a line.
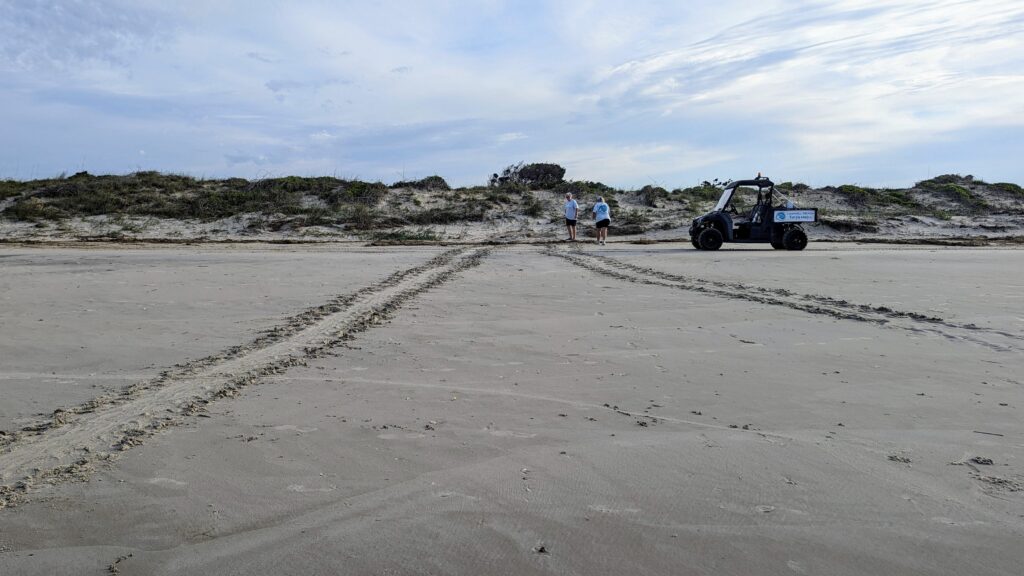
pixel 533 207
pixel 633 218
pixel 584 189
pixel 354 192
pixel 703 193
pixel 1001 186
pixel 790 186
pixel 31 210
pixel 447 215
pixel 10 188
pixel 938 181
pixel 963 196
pixel 360 217
pixel 532 176
pixel 429 183
pixel 542 175
pixel 649 195
pixel 870 196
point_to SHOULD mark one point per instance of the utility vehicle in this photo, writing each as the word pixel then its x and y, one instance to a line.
pixel 772 219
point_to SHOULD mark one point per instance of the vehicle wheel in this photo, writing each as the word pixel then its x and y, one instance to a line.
pixel 710 239
pixel 693 240
pixel 778 245
pixel 795 239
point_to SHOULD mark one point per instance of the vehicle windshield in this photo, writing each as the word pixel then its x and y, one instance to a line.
pixel 724 200
pixel 742 198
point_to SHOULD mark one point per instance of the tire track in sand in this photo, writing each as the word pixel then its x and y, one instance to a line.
pixel 813 304
pixel 72 441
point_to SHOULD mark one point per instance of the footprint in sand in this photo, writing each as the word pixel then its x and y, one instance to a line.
pixel 294 428
pixel 609 510
pixel 168 482
pixel 510 434
pixel 304 490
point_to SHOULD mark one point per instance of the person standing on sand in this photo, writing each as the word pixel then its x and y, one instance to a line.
pixel 572 210
pixel 603 216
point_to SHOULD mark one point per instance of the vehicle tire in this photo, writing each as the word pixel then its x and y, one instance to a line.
pixel 693 240
pixel 794 239
pixel 778 245
pixel 710 239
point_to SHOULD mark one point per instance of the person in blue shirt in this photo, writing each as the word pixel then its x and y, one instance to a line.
pixel 572 209
pixel 603 216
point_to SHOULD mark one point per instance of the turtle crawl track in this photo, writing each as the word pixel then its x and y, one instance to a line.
pixel 72 441
pixel 813 304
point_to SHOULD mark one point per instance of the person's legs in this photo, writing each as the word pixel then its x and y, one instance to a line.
pixel 572 232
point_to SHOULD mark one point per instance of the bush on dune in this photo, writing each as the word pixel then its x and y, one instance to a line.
pixel 429 183
pixel 704 193
pixel 1008 188
pixel 539 176
pixel 178 196
pixel 649 195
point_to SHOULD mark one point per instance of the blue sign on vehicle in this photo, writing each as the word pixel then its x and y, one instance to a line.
pixel 796 215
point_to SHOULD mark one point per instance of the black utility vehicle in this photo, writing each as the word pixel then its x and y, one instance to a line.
pixel 780 225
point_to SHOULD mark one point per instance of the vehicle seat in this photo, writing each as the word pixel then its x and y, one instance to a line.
pixel 757 213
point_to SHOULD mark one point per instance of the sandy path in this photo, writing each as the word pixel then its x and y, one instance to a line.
pixel 73 440
pixel 995 339
pixel 77 322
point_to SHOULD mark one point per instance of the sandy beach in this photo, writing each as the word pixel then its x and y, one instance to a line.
pixel 521 409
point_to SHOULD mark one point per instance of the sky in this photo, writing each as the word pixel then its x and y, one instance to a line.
pixel 670 93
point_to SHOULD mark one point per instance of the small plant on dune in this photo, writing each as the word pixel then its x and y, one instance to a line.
pixel 585 190
pixel 1008 188
pixel 649 195
pixel 32 210
pixel 633 217
pixel 533 207
pixel 703 193
pixel 964 196
pixel 11 188
pixel 793 187
pixel 938 181
pixel 445 215
pixel 429 183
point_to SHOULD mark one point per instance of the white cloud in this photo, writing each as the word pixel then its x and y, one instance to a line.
pixel 510 137
pixel 322 136
pixel 845 79
pixel 624 90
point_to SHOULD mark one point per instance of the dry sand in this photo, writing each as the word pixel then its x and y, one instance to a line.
pixel 518 410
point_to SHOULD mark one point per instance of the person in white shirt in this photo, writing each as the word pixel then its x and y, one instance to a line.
pixel 571 212
pixel 603 216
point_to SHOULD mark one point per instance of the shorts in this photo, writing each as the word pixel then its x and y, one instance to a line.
pixel 603 223
pixel 570 222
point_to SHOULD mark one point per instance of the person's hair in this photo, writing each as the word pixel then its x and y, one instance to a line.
pixel 568 194
pixel 600 198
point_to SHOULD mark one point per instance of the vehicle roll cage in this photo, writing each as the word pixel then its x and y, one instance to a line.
pixel 730 188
